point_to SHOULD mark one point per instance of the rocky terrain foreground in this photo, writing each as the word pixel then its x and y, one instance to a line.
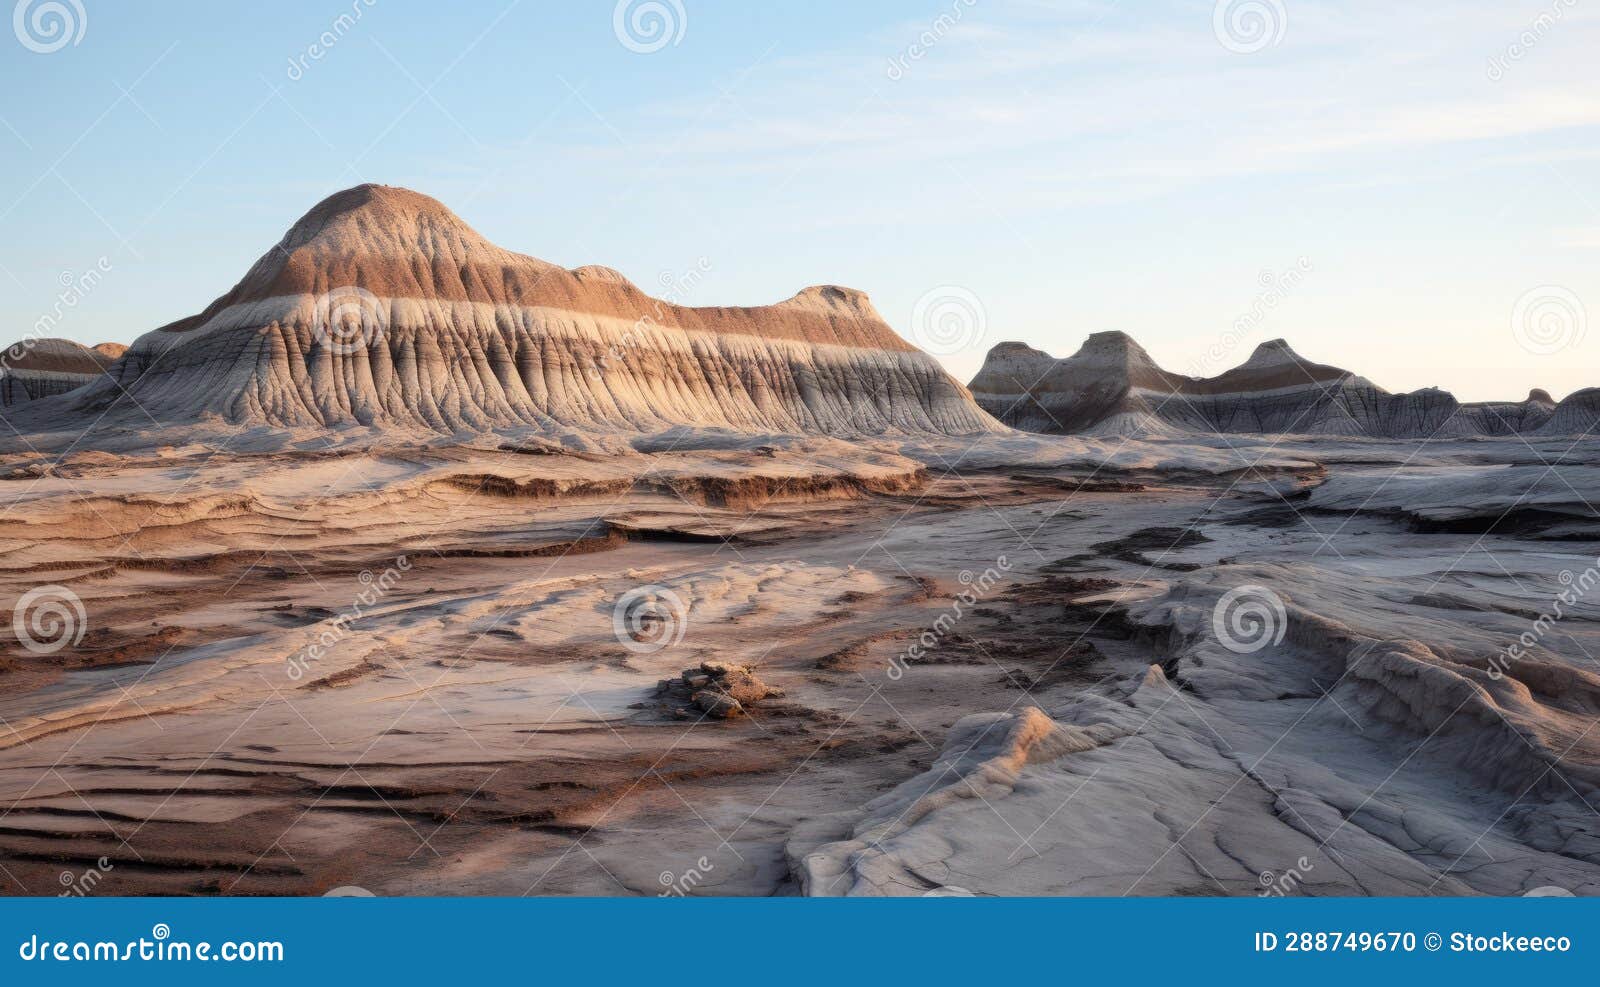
pixel 990 666
pixel 412 565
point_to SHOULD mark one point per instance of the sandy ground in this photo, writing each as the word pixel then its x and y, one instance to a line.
pixel 407 671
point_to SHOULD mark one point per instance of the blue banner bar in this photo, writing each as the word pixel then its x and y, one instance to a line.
pixel 797 941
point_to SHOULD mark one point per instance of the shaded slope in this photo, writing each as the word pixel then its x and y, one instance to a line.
pixel 1112 386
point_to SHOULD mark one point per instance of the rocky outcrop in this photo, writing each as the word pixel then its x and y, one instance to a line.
pixel 1575 415
pixel 1112 386
pixel 1104 388
pixel 41 368
pixel 982 762
pixel 717 689
pixel 382 308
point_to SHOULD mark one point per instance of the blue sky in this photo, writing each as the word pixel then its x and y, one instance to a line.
pixel 1070 166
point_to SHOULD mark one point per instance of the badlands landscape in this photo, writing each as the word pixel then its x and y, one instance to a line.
pixel 413 565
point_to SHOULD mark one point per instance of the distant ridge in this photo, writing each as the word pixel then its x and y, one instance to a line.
pixel 1111 386
pixel 41 368
pixel 381 307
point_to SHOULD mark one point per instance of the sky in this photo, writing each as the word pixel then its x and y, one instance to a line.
pixel 1410 191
